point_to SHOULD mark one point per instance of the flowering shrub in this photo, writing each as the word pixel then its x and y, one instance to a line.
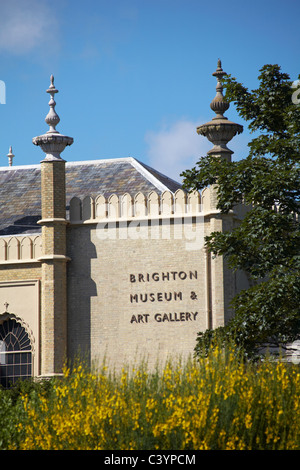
pixel 213 403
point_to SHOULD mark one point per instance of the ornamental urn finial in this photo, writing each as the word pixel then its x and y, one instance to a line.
pixel 218 104
pixel 52 143
pixel 220 130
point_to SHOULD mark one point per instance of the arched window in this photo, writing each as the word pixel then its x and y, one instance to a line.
pixel 15 353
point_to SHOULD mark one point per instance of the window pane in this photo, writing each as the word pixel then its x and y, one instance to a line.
pixel 15 363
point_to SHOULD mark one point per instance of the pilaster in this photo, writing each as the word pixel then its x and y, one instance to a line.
pixel 53 222
pixel 219 131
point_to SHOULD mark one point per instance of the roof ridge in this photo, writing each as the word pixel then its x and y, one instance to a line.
pixel 99 161
pixel 158 172
pixel 149 176
pixel 18 167
pixel 74 163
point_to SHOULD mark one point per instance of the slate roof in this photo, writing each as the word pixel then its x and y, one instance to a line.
pixel 20 188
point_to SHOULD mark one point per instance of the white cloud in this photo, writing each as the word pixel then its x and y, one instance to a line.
pixel 26 25
pixel 176 147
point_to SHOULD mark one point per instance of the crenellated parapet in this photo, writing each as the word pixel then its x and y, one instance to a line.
pixel 20 249
pixel 127 207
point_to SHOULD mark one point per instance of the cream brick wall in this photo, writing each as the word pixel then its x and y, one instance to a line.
pixel 103 314
pixel 111 242
pixel 13 272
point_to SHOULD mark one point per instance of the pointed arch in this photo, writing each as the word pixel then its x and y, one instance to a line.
pixel 153 203
pixel 140 208
pixel 13 248
pixel 3 250
pixel 205 199
pixel 37 247
pixel 179 202
pixel 100 207
pixel 87 208
pixel 75 209
pixel 194 202
pixel 126 205
pixel 166 203
pixel 26 248
pixel 113 206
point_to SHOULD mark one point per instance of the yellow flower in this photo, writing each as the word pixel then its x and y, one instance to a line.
pixel 248 421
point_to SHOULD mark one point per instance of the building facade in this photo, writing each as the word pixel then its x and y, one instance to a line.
pixel 106 258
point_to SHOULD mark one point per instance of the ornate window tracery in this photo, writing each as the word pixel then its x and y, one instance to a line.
pixel 15 353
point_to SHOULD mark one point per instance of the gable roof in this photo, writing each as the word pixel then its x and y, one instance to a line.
pixel 20 188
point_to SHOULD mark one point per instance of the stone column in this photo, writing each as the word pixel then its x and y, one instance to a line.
pixel 53 222
pixel 219 131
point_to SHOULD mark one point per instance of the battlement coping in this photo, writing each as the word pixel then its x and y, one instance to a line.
pixel 26 248
pixel 127 207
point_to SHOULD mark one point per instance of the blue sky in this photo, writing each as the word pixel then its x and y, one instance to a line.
pixel 134 76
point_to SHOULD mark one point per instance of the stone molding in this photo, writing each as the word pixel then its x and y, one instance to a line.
pixel 54 258
pixel 52 220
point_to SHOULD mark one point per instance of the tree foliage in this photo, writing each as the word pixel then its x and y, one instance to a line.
pixel 266 245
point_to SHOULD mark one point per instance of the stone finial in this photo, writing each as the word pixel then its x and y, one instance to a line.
pixel 218 104
pixel 52 118
pixel 52 143
pixel 10 156
pixel 219 130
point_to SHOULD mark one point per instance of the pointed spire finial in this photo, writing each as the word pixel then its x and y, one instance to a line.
pixel 10 156
pixel 52 142
pixel 52 81
pixel 219 70
pixel 52 118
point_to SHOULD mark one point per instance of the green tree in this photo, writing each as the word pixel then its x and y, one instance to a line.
pixel 266 244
